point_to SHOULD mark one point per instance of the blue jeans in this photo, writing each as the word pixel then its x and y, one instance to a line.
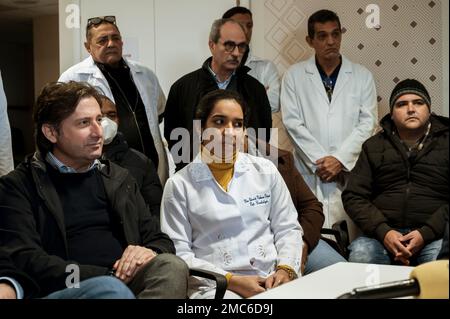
pixel 104 287
pixel 371 251
pixel 323 255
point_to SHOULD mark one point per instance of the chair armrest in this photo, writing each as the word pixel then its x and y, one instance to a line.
pixel 221 281
pixel 340 232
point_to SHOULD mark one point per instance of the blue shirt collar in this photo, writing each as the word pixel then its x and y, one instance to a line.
pixel 224 84
pixel 62 168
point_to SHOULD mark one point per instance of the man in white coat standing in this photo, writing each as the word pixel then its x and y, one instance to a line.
pixel 329 108
pixel 6 154
pixel 133 87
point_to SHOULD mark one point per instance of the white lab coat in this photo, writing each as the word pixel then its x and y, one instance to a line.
pixel 318 128
pixel 148 86
pixel 6 154
pixel 266 73
pixel 248 230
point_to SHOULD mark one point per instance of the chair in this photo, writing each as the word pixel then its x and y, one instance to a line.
pixel 221 281
pixel 341 238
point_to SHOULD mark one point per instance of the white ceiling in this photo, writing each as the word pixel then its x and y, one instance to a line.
pixel 26 10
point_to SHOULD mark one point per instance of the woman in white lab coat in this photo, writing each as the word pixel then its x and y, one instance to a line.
pixel 230 212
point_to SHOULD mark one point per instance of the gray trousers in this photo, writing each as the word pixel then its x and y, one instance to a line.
pixel 164 277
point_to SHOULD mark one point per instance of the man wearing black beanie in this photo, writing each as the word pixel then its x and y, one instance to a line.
pixel 398 191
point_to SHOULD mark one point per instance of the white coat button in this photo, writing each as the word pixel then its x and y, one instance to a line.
pixel 227 258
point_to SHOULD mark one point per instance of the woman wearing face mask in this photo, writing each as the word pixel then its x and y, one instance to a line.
pixel 230 212
pixel 140 166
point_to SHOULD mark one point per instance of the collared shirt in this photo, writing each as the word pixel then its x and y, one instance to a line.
pixel 329 81
pixel 62 168
pixel 224 84
pixel 17 287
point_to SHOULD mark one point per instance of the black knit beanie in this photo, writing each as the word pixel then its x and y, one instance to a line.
pixel 409 86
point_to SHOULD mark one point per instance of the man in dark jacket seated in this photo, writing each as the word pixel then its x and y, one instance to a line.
pixel 398 191
pixel 15 284
pixel 117 150
pixel 66 216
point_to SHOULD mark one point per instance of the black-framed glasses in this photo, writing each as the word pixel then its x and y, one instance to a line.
pixel 98 20
pixel 230 46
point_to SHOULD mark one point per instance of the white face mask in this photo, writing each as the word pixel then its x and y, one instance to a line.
pixel 109 130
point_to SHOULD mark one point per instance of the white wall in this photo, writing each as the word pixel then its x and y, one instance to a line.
pixel 135 23
pixel 135 20
pixel 69 37
pixel 182 30
pixel 45 51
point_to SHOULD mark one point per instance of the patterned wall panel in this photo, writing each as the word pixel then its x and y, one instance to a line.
pixel 407 42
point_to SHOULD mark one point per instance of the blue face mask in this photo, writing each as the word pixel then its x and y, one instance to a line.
pixel 109 130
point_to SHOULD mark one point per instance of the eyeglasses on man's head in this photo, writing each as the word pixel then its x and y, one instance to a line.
pixel 98 20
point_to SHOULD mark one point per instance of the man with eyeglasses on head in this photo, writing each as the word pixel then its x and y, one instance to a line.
pixel 133 87
pixel 329 108
pixel 398 191
pixel 228 44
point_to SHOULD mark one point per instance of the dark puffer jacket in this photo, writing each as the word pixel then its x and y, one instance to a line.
pixel 8 269
pixel 387 190
pixel 140 167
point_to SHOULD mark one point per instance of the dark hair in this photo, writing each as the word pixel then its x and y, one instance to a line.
pixel 104 97
pixel 321 16
pixel 236 10
pixel 89 28
pixel 208 101
pixel 56 102
pixel 214 34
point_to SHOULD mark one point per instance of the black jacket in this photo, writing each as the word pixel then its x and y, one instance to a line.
pixel 8 269
pixel 32 229
pixel 186 92
pixel 140 167
pixel 387 190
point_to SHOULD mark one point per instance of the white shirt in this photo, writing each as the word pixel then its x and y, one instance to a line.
pixel 149 89
pixel 318 127
pixel 248 230
pixel 6 154
pixel 266 73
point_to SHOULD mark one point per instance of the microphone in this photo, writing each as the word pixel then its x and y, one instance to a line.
pixel 427 281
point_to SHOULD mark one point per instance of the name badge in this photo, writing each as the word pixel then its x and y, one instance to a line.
pixel 257 200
